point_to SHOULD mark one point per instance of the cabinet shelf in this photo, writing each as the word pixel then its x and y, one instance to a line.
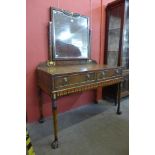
pixel 112 29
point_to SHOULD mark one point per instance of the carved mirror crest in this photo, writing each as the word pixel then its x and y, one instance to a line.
pixel 69 35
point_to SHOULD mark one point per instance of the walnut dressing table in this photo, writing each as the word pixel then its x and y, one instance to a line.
pixel 69 69
pixel 58 81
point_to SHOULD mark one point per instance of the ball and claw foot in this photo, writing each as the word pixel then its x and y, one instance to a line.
pixel 41 120
pixel 54 144
pixel 119 112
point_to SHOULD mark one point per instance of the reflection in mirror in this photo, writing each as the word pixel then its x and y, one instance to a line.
pixel 70 35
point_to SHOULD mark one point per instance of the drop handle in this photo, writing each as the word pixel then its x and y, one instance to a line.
pixel 117 71
pixel 65 81
pixel 88 77
pixel 102 74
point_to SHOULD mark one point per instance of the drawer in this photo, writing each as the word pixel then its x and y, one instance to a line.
pixel 108 73
pixel 73 79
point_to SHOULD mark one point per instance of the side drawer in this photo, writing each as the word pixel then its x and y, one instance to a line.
pixel 108 73
pixel 73 79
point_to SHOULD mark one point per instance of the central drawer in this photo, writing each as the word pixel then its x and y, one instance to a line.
pixel 73 79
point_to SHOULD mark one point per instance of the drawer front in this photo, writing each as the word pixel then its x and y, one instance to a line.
pixel 105 74
pixel 74 79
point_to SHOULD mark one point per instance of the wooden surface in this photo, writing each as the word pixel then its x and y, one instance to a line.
pixel 61 80
pixel 64 80
pixel 54 70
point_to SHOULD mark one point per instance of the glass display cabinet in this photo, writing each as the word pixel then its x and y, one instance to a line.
pixel 117 42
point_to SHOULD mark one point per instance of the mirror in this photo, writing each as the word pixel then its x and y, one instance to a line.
pixel 69 35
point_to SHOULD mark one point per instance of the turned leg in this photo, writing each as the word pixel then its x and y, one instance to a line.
pixel 41 119
pixel 54 144
pixel 118 98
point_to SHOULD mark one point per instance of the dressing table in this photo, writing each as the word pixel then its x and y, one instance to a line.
pixel 69 69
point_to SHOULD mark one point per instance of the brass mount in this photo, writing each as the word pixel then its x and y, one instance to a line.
pixel 50 63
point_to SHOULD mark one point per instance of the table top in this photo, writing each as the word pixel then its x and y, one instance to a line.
pixel 66 69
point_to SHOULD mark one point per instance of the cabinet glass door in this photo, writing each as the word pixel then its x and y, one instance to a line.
pixel 114 32
pixel 125 44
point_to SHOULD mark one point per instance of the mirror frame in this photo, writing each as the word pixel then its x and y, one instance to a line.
pixel 52 49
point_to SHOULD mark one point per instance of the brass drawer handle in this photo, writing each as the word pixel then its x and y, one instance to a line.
pixel 102 75
pixel 88 77
pixel 65 81
pixel 117 71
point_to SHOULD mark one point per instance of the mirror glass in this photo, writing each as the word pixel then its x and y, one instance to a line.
pixel 70 35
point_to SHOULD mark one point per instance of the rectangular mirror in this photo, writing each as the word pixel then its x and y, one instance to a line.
pixel 70 35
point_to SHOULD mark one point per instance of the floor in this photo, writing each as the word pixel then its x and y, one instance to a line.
pixel 94 129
